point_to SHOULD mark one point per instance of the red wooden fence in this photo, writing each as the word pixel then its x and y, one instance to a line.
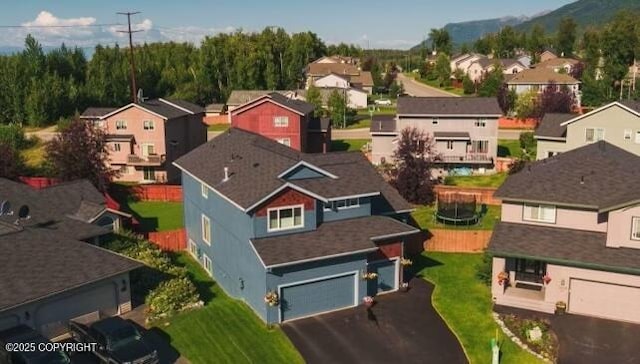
pixel 457 241
pixel 484 195
pixel 511 123
pixel 172 240
pixel 170 193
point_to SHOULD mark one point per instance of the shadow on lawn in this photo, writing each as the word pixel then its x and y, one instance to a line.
pixel 421 262
pixel 339 146
pixel 125 195
pixel 503 151
pixel 203 283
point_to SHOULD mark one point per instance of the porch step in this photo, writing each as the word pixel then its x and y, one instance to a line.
pixel 528 304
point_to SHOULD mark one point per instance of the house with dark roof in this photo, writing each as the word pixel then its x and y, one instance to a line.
pixel 570 235
pixel 343 75
pixel 541 78
pixel 617 123
pixel 292 234
pixel 465 131
pixel 49 272
pixel 285 119
pixel 144 138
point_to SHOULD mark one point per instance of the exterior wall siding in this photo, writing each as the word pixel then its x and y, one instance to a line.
pixel 382 148
pixel 547 146
pixel 259 119
pixel 565 218
pixel 620 225
pixel 332 81
pixel 289 197
pixel 235 266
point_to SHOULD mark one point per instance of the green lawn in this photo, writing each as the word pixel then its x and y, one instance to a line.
pixel 225 330
pixel 453 90
pixel 348 145
pixel 424 216
pixel 509 148
pixel 362 123
pixel 218 127
pixel 380 110
pixel 492 180
pixel 34 156
pixel 464 302
pixel 156 215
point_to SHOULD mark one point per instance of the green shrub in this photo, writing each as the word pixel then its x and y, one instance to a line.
pixel 468 86
pixel 13 135
pixel 171 297
pixel 484 269
pixel 527 141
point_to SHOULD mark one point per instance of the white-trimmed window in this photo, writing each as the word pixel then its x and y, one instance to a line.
pixel 204 190
pixel 479 146
pixel 116 147
pixel 148 125
pixel 148 149
pixel 628 133
pixel 206 263
pixel 285 218
pixel 435 121
pixel 481 123
pixel 635 228
pixel 284 141
pixel 121 125
pixel 342 204
pixel 206 229
pixel 193 248
pixel 449 144
pixel 281 121
pixel 539 213
pixel 594 134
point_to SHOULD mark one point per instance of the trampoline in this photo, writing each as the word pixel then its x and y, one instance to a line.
pixel 457 209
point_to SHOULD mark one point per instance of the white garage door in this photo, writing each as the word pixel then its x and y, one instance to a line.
pixel 604 300
pixel 52 317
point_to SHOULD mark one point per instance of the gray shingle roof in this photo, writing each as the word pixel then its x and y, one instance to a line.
pixel 163 109
pixel 196 109
pixel 563 246
pixel 330 239
pixel 632 104
pixel 383 124
pixel 298 105
pixel 239 97
pixel 487 106
pixel 255 162
pixel 599 176
pixel 550 125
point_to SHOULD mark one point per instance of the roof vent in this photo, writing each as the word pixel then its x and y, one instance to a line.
pixel 226 174
pixel 581 180
pixel 256 165
pixel 5 208
pixel 23 214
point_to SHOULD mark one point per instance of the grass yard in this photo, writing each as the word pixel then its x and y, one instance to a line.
pixel 34 156
pixel 380 110
pixel 156 215
pixel 218 127
pixel 464 302
pixel 424 216
pixel 225 330
pixel 362 123
pixel 509 148
pixel 453 90
pixel 492 180
pixel 348 145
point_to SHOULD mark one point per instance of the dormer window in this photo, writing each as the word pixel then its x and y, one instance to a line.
pixel 635 228
pixel 285 218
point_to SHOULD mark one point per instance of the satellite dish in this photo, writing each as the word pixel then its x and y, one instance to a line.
pixel 5 208
pixel 23 212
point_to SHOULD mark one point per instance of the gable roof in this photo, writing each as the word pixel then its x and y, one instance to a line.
pixel 629 106
pixel 298 106
pixel 556 62
pixel 508 62
pixel 449 106
pixel 632 104
pixel 597 176
pixel 364 78
pixel 321 69
pixel 240 97
pixel 541 75
pixel 185 105
pixel 551 125
pixel 96 112
pixel 166 109
pixel 255 162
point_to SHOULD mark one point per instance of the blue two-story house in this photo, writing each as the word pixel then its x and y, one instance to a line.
pixel 292 234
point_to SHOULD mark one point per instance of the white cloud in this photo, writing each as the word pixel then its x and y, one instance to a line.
pixel 45 18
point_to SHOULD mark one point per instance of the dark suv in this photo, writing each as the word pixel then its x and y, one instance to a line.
pixel 26 342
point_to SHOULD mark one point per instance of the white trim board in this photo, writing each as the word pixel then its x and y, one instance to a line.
pixel 132 105
pixel 310 166
pixel 605 107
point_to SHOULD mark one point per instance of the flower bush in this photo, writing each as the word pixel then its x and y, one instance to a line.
pixel 271 298
pixel 171 297
pixel 547 346
pixel 369 275
pixel 368 300
pixel 406 262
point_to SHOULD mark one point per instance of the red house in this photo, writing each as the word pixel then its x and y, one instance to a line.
pixel 285 120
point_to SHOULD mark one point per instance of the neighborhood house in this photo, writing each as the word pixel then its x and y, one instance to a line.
pixel 290 233
pixel 539 79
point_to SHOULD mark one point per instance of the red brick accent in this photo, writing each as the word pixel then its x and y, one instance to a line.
pixel 258 118
pixel 386 251
pixel 287 197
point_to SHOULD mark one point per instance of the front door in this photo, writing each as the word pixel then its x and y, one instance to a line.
pixel 530 270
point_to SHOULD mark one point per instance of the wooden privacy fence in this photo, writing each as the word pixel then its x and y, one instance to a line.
pixel 484 195
pixel 169 193
pixel 511 123
pixel 171 240
pixel 457 241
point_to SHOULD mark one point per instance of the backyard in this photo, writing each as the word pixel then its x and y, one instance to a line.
pixel 225 330
pixel 348 145
pixel 464 302
pixel 151 215
pixel 491 180
pixel 424 216
pixel 512 149
pixel 218 127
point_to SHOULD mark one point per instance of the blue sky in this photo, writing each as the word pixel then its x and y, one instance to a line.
pixel 388 24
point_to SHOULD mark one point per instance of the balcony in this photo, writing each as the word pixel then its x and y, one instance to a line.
pixel 476 158
pixel 152 160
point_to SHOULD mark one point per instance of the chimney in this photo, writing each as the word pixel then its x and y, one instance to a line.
pixel 226 174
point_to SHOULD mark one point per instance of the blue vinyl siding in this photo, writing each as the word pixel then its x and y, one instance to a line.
pixel 235 265
pixel 303 172
pixel 318 296
pixel 316 270
pixel 260 225
pixel 387 276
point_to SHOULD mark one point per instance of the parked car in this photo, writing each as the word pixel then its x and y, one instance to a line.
pixel 119 341
pixel 383 102
pixel 19 345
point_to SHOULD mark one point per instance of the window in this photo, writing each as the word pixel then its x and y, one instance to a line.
pixel 148 125
pixel 206 263
pixel 204 190
pixel 342 204
pixel 635 228
pixel 479 146
pixel 539 213
pixel 206 230
pixel 435 121
pixel 121 125
pixel 284 141
pixel 481 123
pixel 116 147
pixel 627 134
pixel 149 174
pixel 281 121
pixel 148 149
pixel 449 144
pixel 285 218
pixel 638 137
pixel 193 248
pixel 594 134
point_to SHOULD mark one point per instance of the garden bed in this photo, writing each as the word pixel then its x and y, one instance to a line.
pixel 523 332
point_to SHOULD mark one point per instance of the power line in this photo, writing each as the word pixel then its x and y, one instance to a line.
pixel 131 52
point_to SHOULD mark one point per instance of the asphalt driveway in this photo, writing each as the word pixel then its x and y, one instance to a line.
pixel 400 328
pixel 587 340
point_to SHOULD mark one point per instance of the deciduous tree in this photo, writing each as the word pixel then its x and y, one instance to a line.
pixel 314 97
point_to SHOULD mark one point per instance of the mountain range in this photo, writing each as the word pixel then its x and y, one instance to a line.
pixel 585 12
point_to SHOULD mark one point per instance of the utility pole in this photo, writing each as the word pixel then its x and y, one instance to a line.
pixel 134 90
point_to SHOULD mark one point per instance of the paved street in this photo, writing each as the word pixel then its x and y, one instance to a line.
pixel 415 88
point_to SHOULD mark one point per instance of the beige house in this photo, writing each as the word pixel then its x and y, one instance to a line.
pixel 323 73
pixel 539 79
pixel 558 64
pixel 482 66
pixel 547 55
pixel 465 131
pixel 570 235
pixel 617 123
